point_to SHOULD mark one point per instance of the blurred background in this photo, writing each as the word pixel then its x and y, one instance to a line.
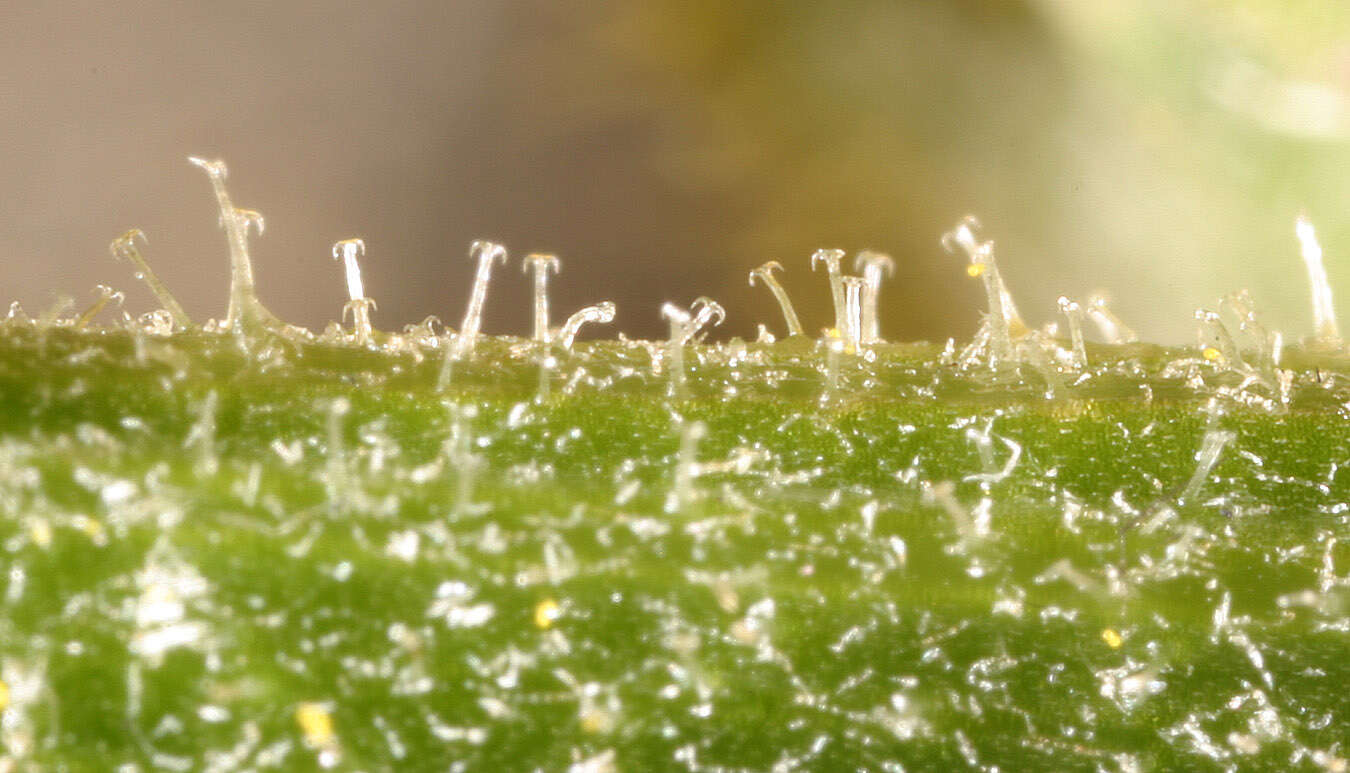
pixel 1156 150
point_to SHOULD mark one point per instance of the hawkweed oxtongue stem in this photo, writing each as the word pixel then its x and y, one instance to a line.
pixel 105 295
pixel 1326 333
pixel 358 303
pixel 540 264
pixel 602 313
pixel 245 313
pixel 485 253
pixel 831 260
pixel 124 247
pixel 765 274
pixel 873 265
pixel 1074 314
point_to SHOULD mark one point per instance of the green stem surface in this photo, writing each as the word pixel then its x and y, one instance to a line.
pixel 490 576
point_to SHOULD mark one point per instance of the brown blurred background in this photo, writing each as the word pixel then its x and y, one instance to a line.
pixel 1157 150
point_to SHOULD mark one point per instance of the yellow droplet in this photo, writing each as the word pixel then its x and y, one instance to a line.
pixel 597 721
pixel 92 528
pixel 4 695
pixel 545 612
pixel 41 532
pixel 1212 354
pixel 974 270
pixel 1112 639
pixel 316 724
pixel 832 332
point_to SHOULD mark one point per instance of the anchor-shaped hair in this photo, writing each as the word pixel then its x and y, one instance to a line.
pixel 485 253
pixel 245 313
pixel 1004 322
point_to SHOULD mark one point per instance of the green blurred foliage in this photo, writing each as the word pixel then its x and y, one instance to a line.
pixel 1157 151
